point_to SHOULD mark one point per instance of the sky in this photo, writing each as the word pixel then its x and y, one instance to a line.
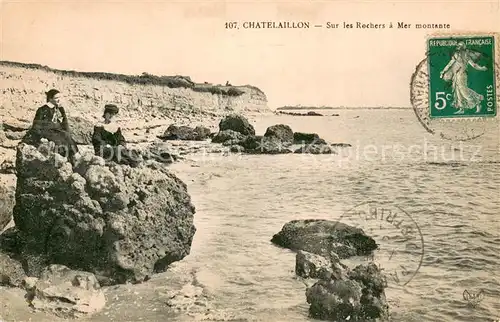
pixel 316 66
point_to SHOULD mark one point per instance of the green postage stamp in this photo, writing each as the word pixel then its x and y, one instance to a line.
pixel 461 76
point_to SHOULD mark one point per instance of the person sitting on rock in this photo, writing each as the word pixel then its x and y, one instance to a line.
pixel 109 142
pixel 51 123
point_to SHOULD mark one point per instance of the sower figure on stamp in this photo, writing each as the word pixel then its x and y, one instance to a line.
pixel 456 72
pixel 109 142
pixel 51 123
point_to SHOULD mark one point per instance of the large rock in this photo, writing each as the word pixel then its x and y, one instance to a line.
pixel 65 293
pixel 118 222
pixel 6 206
pixel 281 132
pixel 237 123
pixel 174 132
pixel 358 297
pixel 324 237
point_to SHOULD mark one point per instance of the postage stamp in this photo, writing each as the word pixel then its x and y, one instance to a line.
pixel 462 76
pixel 454 89
pixel 400 241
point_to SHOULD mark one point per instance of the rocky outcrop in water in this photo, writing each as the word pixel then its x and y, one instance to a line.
pixel 356 295
pixel 237 133
pixel 338 294
pixel 323 237
pixel 65 293
pixel 121 223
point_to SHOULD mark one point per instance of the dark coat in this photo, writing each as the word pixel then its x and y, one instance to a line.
pixel 57 131
pixel 116 151
pixel 101 138
pixel 43 119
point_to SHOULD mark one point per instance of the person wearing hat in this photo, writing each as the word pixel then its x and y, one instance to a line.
pixel 108 140
pixel 51 122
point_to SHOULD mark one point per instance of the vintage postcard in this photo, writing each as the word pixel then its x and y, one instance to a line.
pixel 249 161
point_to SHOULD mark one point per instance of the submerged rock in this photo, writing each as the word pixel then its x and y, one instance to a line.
pixel 65 293
pixel 119 222
pixel 237 123
pixel 324 237
pixel 340 294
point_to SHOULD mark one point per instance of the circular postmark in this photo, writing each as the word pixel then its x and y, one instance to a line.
pixel 454 89
pixel 400 241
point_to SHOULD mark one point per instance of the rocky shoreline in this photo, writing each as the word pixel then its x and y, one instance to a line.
pixel 121 225
pixel 335 292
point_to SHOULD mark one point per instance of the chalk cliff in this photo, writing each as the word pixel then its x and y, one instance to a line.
pixel 144 97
